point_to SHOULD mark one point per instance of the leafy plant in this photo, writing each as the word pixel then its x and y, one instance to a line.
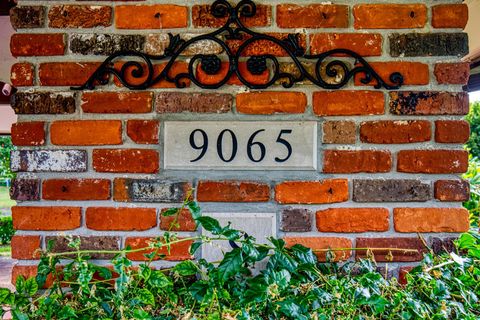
pixel 6 147
pixel 6 230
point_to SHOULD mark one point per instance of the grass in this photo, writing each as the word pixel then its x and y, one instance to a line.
pixel 5 251
pixel 5 201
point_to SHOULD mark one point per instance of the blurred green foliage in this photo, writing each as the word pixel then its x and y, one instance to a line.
pixel 5 147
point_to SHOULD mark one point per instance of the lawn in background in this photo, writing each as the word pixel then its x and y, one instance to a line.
pixel 5 202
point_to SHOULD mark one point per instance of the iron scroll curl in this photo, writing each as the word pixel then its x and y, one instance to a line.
pixel 139 73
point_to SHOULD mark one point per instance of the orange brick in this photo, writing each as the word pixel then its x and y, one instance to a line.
pixel 312 16
pixel 23 44
pixel 389 16
pixel 86 132
pixel 264 47
pixel 126 160
pixel 348 103
pixel 25 247
pixel 450 15
pixel 28 133
pixel 160 16
pixel 308 192
pixel 22 74
pixel 432 161
pixel 269 102
pixel 208 79
pixel 362 43
pixel 117 102
pixel 143 131
pixel 452 73
pixel 124 219
pixel 336 246
pixel 73 16
pixel 452 131
pixel 46 218
pixel 414 73
pixel 177 68
pixel 202 17
pixel 178 251
pixel 407 131
pixel 353 220
pixel 431 219
pixel 346 161
pixel 232 191
pixel 76 189
pixel 120 190
pixel 184 221
pixel 66 73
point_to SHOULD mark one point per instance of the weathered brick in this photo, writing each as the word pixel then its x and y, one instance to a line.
pixel 452 73
pixel 25 247
pixel 428 103
pixel 348 220
pixel 389 16
pixel 201 17
pixel 232 191
pixel 66 73
pixel 126 160
pixel 22 74
pixel 177 252
pixel 443 245
pixel 176 69
pixel 175 102
pixel 182 221
pixel 117 102
pixel 150 190
pixel 362 43
pixel 390 190
pixel 432 161
pixel 157 43
pixel 431 219
pixel 143 131
pixel 386 255
pixel 450 15
pixel 46 218
pixel 339 132
pixel 48 160
pixel 160 16
pixel 26 44
pixel 124 219
pixel 25 189
pixel 402 274
pixel 346 161
pixel 414 73
pixel 428 44
pixel 214 79
pixel 23 17
pixel 292 68
pixel 76 189
pixel 452 131
pixel 348 103
pixel 60 244
pixel 43 103
pixel 296 220
pixel 28 133
pixel 390 132
pixel 269 102
pixel 73 16
pixel 86 132
pixel 265 47
pixel 320 246
pixel 105 44
pixel 309 192
pixel 452 190
pixel 312 16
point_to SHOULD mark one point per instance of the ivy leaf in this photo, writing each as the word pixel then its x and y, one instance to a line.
pixel 303 254
pixel 186 268
pixel 20 284
pixel 231 264
pixel 194 210
pixel 4 293
pixel 170 212
pixel 146 297
pixel 199 290
pixel 194 247
pixel 159 280
pixel 210 224
pixel 141 314
pixel 31 286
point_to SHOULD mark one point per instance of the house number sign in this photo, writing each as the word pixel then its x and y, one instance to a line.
pixel 240 145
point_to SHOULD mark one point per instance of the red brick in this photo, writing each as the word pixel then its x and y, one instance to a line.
pixel 28 133
pixel 362 43
pixel 121 219
pixel 26 247
pixel 402 274
pixel 72 16
pixel 348 103
pixel 120 190
pixel 346 161
pixel 389 16
pixel 207 79
pixel 66 73
pixel 312 16
pixel 160 16
pixel 126 160
pixel 308 192
pixel 202 18
pixel 143 131
pixel 452 73
pixel 178 251
pixel 264 47
pixel 86 132
pixel 432 161
pixel 414 73
pixel 232 191
pixel 76 189
pixel 184 221
pixel 177 68
pixel 24 44
pixel 270 102
pixel 431 219
pixel 450 15
pixel 452 190
pixel 452 131
pixel 389 132
pixel 46 218
pixel 22 74
pixel 117 102
pixel 391 243
pixel 336 245
pixel 429 103
pixel 350 220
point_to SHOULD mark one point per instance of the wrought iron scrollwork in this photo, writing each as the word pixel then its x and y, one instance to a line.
pixel 140 74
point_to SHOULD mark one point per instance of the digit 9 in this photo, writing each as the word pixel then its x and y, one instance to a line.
pixel 203 146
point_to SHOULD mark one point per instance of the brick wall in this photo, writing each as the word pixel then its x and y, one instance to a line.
pixel 90 163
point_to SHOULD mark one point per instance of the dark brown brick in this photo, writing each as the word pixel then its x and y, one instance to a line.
pixel 296 220
pixel 25 189
pixel 428 44
pixel 60 244
pixel 176 102
pixel 22 17
pixel 442 245
pixel 452 190
pixel 43 103
pixel 428 103
pixel 388 256
pixel 391 190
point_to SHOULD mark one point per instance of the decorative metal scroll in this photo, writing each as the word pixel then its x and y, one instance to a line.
pixel 140 74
